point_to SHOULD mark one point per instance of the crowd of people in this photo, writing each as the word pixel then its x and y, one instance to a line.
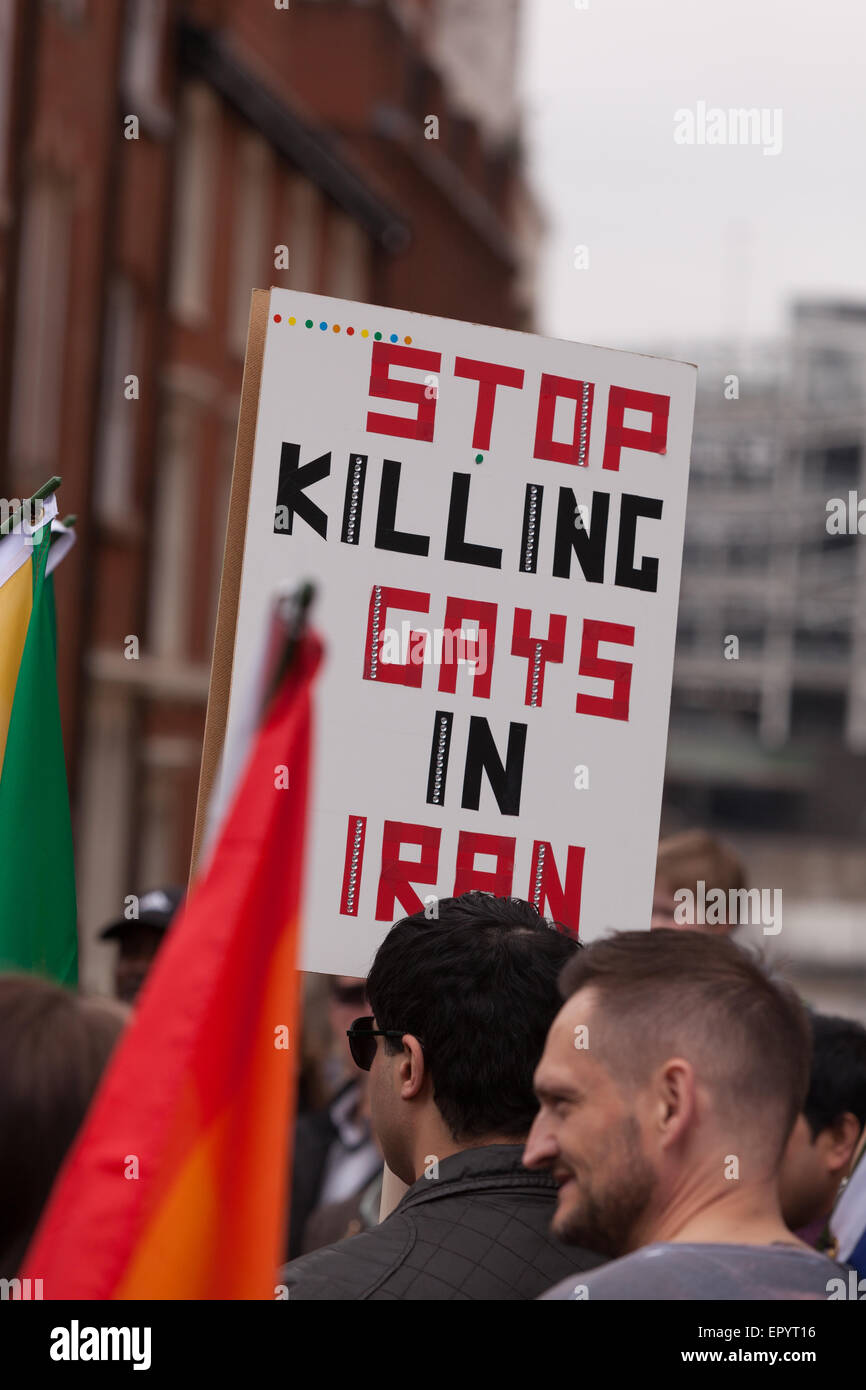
pixel 499 1112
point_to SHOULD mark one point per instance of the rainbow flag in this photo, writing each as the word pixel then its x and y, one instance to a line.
pixel 176 1186
pixel 38 926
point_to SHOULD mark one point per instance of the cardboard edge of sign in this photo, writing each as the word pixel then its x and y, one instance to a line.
pixel 233 559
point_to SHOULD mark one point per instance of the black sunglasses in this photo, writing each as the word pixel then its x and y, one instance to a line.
pixel 362 1040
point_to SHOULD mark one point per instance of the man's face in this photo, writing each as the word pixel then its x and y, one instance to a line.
pixel 588 1134
pixel 138 946
pixel 663 905
pixel 666 905
pixel 348 1001
pixel 806 1187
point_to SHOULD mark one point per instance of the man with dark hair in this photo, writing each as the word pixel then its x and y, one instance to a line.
pixel 670 1081
pixel 828 1129
pixel 461 1005
pixel 139 938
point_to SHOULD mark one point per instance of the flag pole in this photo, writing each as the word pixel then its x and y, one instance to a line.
pixel 299 604
pixel 39 496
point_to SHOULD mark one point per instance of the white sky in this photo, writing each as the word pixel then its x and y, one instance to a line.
pixel 693 241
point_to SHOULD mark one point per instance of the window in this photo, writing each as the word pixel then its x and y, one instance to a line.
pixel 7 46
pixel 708 458
pixel 833 376
pixel 40 331
pixel 750 559
pixel 302 219
pixel 822 644
pixel 194 205
pixel 839 544
pixel 251 243
pixel 142 54
pixel 842 466
pixel 174 526
pixel 834 466
pixel 72 12
pixel 817 712
pixel 115 454
pixel 158 827
pixel 749 627
pixel 347 263
pixel 703 556
pixel 749 462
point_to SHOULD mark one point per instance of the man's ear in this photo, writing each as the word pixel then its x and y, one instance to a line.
pixel 674 1100
pixel 840 1142
pixel 412 1071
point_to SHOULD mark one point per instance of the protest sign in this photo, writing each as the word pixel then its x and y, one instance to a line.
pixel 494 524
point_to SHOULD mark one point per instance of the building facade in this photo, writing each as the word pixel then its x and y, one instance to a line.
pixel 770 658
pixel 767 715
pixel 158 161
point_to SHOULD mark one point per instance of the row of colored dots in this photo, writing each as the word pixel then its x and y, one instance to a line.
pixel 365 333
pixel 335 328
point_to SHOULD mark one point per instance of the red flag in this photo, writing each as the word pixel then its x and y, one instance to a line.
pixel 176 1185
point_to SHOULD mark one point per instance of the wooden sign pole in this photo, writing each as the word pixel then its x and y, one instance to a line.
pixel 233 556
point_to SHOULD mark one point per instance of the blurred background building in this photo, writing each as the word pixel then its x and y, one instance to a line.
pixel 769 746
pixel 154 158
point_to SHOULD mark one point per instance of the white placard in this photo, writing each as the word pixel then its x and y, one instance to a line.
pixel 530 492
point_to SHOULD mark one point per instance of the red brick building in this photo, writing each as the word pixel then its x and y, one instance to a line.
pixel 154 158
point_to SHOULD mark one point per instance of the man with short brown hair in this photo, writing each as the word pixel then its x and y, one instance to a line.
pixel 669 1084
pixel 694 860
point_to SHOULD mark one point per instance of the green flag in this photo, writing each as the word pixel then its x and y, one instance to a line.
pixel 38 930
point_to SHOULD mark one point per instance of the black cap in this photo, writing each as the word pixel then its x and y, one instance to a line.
pixel 155 909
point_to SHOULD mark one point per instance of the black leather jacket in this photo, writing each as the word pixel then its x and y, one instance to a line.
pixel 480 1230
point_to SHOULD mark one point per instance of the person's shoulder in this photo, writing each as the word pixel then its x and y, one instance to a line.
pixel 654 1272
pixel 603 1282
pixel 673 1271
pixel 351 1268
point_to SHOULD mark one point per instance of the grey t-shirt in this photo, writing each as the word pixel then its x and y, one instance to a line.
pixel 673 1271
